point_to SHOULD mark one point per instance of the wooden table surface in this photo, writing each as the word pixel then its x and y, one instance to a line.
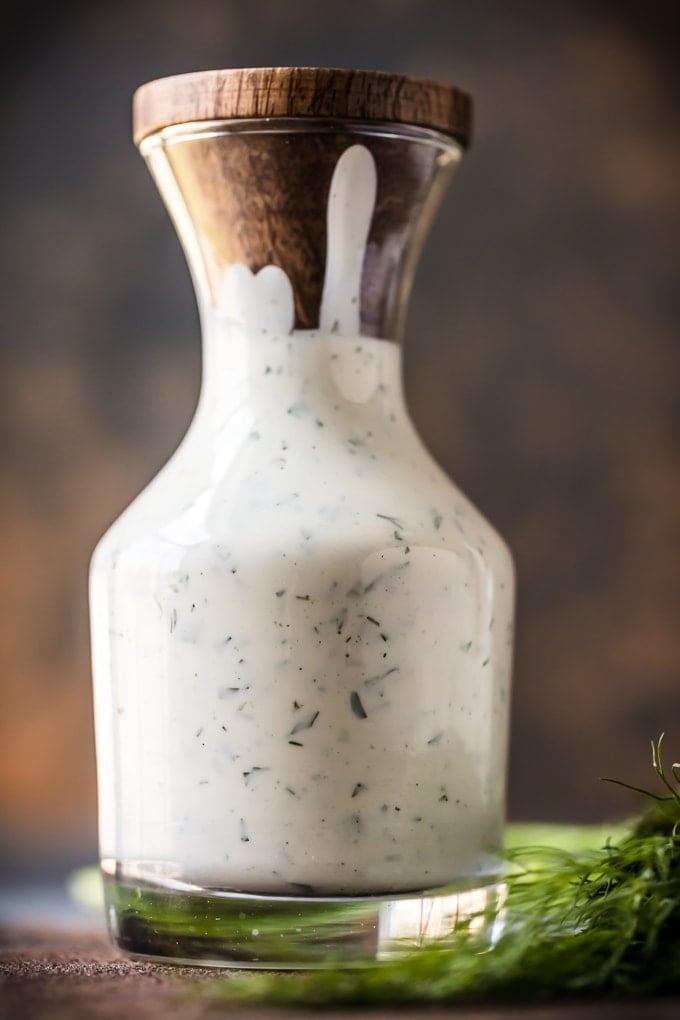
pixel 54 974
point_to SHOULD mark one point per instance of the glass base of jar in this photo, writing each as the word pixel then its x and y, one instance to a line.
pixel 176 923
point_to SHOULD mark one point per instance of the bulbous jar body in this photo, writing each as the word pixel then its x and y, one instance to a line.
pixel 301 629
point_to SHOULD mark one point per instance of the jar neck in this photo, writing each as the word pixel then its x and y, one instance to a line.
pixel 308 378
pixel 328 217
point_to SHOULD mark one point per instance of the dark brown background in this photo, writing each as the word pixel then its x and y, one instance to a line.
pixel 542 363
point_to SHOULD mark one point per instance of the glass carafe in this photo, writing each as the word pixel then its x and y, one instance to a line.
pixel 301 629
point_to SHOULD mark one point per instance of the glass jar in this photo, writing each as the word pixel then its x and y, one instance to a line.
pixel 301 629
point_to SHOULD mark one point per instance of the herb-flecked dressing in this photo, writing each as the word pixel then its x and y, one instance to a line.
pixel 312 656
pixel 301 629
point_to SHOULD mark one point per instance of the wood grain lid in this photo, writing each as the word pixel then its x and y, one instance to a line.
pixel 325 93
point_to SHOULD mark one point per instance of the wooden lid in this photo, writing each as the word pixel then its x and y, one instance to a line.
pixel 324 93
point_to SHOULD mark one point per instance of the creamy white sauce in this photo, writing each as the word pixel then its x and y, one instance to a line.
pixel 301 629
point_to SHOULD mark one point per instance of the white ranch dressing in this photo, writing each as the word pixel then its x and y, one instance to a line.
pixel 302 630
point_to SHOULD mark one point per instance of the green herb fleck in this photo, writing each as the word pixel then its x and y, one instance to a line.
pixel 385 576
pixel 304 724
pixel 356 706
pixel 393 520
pixel 253 771
pixel 371 681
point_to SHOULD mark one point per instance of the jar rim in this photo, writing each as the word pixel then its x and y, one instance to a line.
pixel 302 92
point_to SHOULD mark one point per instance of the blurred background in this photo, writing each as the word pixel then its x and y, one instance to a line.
pixel 542 362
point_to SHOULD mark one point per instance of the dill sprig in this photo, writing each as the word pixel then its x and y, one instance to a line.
pixel 594 922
